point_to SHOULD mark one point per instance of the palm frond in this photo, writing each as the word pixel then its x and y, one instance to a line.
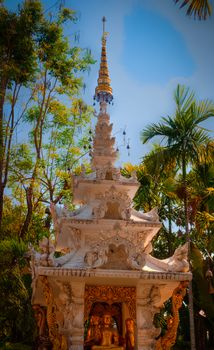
pixel 183 97
pixel 200 9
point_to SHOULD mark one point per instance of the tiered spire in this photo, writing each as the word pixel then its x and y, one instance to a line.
pixel 103 154
pixel 103 91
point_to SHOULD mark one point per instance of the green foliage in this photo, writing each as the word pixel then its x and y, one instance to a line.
pixel 182 135
pixel 17 47
pixel 40 64
pixel 179 173
pixel 16 316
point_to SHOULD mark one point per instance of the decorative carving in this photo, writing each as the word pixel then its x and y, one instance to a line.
pixel 130 334
pixel 147 299
pixel 99 253
pixel 58 340
pixel 43 258
pixel 96 258
pixel 65 304
pixel 152 215
pixel 63 212
pixel 113 204
pixel 108 173
pixel 137 261
pixel 169 338
pixel 42 341
pixel 179 261
pixel 100 210
pixel 40 318
pixel 71 239
pixel 103 107
pixel 110 294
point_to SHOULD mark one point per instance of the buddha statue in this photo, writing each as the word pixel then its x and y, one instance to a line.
pixel 109 336
pixel 130 339
pixel 94 333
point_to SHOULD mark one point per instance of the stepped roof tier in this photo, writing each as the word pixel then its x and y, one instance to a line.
pixel 104 248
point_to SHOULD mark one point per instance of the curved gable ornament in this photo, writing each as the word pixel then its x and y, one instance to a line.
pixel 113 205
pixel 99 254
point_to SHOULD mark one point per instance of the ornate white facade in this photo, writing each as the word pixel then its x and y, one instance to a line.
pixel 106 260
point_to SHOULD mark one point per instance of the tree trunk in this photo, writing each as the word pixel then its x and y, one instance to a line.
pixel 3 85
pixel 190 293
pixel 170 251
pixel 1 202
pixel 29 194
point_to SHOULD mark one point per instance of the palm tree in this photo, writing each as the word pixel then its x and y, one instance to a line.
pixel 200 9
pixel 183 139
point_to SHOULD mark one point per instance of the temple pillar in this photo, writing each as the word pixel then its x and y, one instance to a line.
pixel 146 298
pixel 76 339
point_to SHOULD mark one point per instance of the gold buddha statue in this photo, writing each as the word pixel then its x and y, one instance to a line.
pixel 109 336
pixel 94 333
pixel 130 337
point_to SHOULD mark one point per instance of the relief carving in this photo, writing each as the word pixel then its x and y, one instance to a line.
pixel 169 338
pixel 137 261
pixel 114 251
pixel 179 261
pixel 96 258
pixel 71 239
pixel 108 173
pixel 42 341
pixel 110 294
pixel 58 340
pixel 45 256
pixel 152 215
pixel 64 303
pixel 130 334
pixel 113 205
pixel 147 300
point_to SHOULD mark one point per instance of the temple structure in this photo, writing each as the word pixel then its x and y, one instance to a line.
pixel 104 288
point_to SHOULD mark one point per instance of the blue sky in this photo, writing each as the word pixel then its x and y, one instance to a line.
pixel 152 46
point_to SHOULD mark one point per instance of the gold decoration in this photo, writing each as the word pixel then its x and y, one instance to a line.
pixel 169 338
pixel 110 294
pixel 58 340
pixel 130 331
pixel 42 340
pixel 39 314
pixel 103 81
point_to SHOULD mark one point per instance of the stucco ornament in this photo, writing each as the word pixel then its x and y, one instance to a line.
pixel 98 255
pixel 113 202
pixel 45 256
pixel 58 340
pixel 64 303
pixel 137 261
pixel 96 258
pixel 169 338
pixel 151 215
pixel 179 261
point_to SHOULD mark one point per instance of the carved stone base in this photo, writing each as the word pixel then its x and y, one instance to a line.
pixel 146 339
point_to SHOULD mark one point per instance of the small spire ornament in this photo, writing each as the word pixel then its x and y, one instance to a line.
pixel 103 91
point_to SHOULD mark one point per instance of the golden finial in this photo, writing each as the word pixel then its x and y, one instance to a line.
pixel 103 91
